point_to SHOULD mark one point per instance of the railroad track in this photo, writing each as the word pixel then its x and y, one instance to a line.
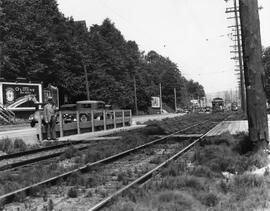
pixel 9 196
pixel 146 176
pixel 22 159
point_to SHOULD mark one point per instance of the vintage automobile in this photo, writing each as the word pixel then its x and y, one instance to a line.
pixel 33 118
pixel 69 111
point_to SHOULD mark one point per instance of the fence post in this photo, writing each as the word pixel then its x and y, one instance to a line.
pixel 61 124
pixel 114 119
pixel 78 122
pixel 104 120
pixel 92 121
pixel 123 117
pixel 130 119
pixel 40 127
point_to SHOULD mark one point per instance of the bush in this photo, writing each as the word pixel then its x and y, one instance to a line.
pixel 209 199
pixel 175 200
pixel 6 145
pixel 204 171
pixel 153 128
pixel 70 152
pixel 76 179
pixel 174 169
pixel 72 193
pixel 248 181
pixel 19 145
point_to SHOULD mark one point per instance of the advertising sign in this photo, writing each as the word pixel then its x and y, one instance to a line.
pixel 52 91
pixel 20 96
pixel 155 101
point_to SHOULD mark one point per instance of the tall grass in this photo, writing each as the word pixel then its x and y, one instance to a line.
pixel 12 146
pixel 197 181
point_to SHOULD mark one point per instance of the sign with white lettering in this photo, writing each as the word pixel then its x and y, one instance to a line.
pixel 20 96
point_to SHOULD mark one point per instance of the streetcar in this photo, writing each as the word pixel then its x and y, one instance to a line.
pixel 234 106
pixel 217 104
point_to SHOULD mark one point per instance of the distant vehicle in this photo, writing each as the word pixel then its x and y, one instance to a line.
pixel 207 109
pixel 218 105
pixel 234 106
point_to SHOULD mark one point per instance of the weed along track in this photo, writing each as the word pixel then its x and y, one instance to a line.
pixel 88 178
pixel 22 159
pixel 141 179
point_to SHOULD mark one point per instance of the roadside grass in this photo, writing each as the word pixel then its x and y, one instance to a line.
pixel 215 176
pixel 11 146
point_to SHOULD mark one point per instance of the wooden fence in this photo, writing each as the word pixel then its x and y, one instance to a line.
pixel 86 121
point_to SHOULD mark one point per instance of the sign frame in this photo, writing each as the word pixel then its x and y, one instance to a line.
pixel 26 87
pixel 155 102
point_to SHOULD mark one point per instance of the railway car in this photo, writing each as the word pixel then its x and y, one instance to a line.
pixel 234 106
pixel 218 105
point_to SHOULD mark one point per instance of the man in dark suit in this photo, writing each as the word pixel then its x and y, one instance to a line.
pixel 50 119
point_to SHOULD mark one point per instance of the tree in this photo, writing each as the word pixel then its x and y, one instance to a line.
pixel 266 64
pixel 39 43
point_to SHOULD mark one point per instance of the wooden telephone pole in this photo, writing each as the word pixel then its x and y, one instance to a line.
pixel 237 50
pixel 86 82
pixel 1 59
pixel 135 95
pixel 254 73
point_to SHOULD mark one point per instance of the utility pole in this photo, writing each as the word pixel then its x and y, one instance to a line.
pixel 243 96
pixel 160 98
pixel 1 59
pixel 175 103
pixel 135 95
pixel 86 82
pixel 238 51
pixel 254 73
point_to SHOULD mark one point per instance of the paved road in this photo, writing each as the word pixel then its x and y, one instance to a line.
pixel 28 134
pixel 142 119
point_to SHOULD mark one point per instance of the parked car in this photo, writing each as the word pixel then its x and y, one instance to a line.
pixel 66 114
pixel 33 118
pixel 69 111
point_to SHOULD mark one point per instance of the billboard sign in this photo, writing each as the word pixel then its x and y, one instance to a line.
pixel 20 96
pixel 52 91
pixel 155 102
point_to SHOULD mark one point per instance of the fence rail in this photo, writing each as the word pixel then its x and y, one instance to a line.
pixel 77 122
pixel 6 114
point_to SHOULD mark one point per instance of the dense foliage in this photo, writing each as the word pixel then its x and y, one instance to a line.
pixel 40 44
pixel 266 62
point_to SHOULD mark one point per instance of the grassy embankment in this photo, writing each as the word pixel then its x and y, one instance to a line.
pixel 216 175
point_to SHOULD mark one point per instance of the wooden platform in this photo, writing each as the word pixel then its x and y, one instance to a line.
pixel 233 127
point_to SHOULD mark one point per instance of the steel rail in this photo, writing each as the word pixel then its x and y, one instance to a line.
pixel 142 179
pixel 43 149
pixel 22 163
pixel 8 197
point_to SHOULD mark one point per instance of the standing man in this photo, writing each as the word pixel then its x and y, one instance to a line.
pixel 50 119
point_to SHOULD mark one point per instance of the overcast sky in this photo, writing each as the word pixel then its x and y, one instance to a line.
pixel 192 33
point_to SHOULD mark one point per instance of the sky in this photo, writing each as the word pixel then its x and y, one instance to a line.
pixel 192 33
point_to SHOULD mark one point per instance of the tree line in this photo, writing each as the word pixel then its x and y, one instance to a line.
pixel 39 43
